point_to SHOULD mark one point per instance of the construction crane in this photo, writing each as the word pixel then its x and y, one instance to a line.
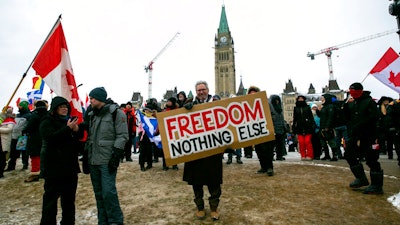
pixel 149 68
pixel 328 51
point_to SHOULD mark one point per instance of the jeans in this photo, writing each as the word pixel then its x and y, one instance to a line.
pixel 238 153
pixel 105 191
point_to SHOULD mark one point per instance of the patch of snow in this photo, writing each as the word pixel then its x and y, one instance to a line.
pixel 395 200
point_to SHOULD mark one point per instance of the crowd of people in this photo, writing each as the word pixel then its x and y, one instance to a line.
pixel 357 129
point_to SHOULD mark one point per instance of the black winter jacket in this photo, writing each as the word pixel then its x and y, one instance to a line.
pixel 303 120
pixel 59 154
pixel 362 116
pixel 34 144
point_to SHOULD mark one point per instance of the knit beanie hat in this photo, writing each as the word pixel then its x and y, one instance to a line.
pixel 40 104
pixel 356 86
pixel 173 100
pixel 24 104
pixel 99 93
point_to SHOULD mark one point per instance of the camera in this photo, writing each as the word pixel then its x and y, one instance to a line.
pixel 394 8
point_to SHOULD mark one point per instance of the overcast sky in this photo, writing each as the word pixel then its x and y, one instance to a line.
pixel 110 42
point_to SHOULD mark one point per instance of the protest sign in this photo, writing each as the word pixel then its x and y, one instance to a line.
pixel 210 128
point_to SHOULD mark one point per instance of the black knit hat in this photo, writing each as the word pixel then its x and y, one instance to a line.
pixel 356 86
pixel 40 104
pixel 173 100
pixel 57 101
pixel 99 93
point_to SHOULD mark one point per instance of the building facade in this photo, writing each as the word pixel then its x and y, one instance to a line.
pixel 225 72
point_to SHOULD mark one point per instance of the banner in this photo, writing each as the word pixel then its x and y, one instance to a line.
pixel 210 128
pixel 387 70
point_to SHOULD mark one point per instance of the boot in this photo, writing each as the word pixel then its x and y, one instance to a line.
pixel 10 167
pixel 326 155
pixel 376 183
pixel 229 160
pixel 32 178
pixel 201 214
pixel 361 180
pixel 238 160
pixel 334 154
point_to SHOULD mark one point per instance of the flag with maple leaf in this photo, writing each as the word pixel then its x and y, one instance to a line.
pixel 387 70
pixel 53 64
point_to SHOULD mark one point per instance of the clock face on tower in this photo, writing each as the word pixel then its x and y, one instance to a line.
pixel 223 39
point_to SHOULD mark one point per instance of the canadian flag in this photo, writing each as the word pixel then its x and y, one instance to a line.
pixel 387 70
pixel 54 66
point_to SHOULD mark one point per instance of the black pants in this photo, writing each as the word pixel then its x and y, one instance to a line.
pixel 128 148
pixel 215 193
pixel 248 151
pixel 265 154
pixel 354 153
pixel 54 188
pixel 316 143
pixel 145 155
pixel 2 162
pixel 280 146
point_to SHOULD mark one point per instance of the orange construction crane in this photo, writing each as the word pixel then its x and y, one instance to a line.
pixel 149 68
pixel 328 51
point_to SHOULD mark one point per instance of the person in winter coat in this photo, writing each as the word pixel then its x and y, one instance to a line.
pixel 34 144
pixel 327 125
pixel 303 126
pixel 171 104
pixel 107 136
pixel 21 120
pixel 131 121
pixel 362 116
pixel 386 127
pixel 264 151
pixel 59 162
pixel 6 128
pixel 275 105
pixel 205 171
pixel 181 99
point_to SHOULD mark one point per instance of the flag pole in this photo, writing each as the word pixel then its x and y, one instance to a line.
pixel 364 78
pixel 24 75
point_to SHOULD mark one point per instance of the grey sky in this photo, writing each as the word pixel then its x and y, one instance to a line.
pixel 110 42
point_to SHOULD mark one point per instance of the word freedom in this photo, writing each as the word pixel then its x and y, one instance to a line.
pixel 211 128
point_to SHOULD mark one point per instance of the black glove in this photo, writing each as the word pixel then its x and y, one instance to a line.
pixel 188 105
pixel 114 161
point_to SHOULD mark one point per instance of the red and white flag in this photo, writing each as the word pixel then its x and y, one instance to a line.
pixel 387 70
pixel 54 66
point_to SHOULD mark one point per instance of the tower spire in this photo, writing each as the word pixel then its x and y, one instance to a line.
pixel 223 22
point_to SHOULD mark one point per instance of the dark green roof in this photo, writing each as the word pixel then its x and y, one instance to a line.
pixel 223 23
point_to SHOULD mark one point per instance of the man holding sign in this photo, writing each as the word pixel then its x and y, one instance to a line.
pixel 199 134
pixel 205 171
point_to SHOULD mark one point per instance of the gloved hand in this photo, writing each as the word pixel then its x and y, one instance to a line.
pixel 114 161
pixel 188 105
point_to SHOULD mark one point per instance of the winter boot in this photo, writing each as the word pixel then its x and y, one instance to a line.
pixel 361 180
pixel 376 183
pixel 334 154
pixel 229 160
pixel 10 166
pixel 238 160
pixel 326 154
